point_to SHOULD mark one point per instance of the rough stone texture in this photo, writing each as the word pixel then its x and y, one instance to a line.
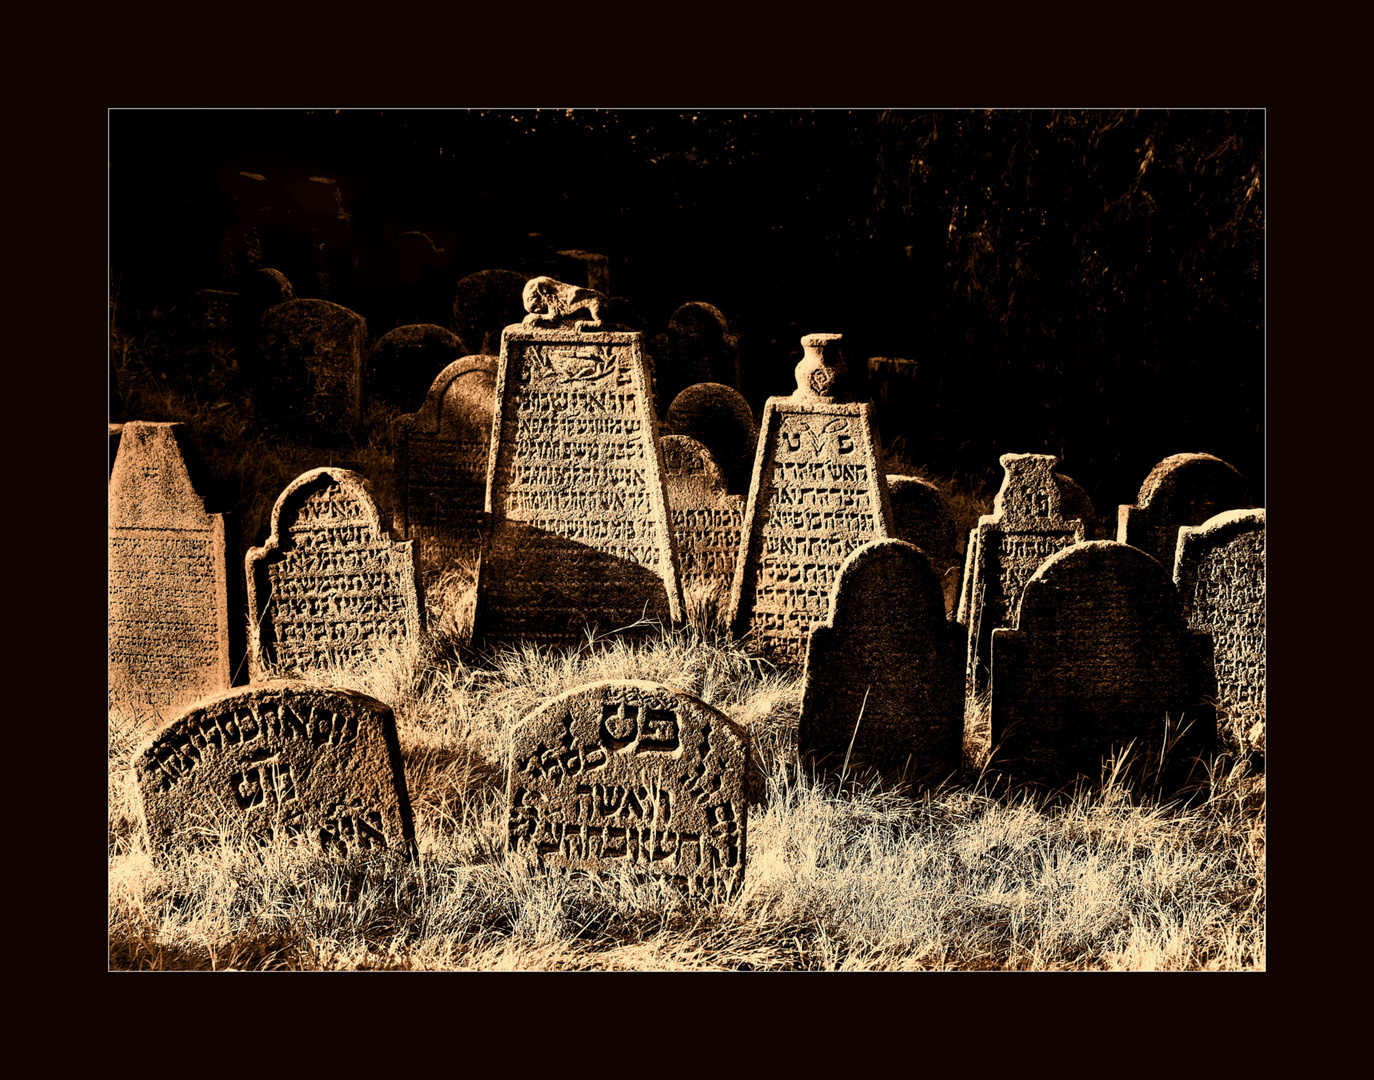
pixel 1027 525
pixel 706 518
pixel 1100 654
pixel 884 673
pixel 442 454
pixel 718 417
pixel 309 371
pixel 587 269
pixel 1185 489
pixel 402 365
pixel 310 761
pixel 330 587
pixel 818 493
pixel 1075 503
pixel 170 640
pixel 1219 571
pixel 580 531
pixel 698 348
pixel 484 304
pixel 633 775
pixel 921 516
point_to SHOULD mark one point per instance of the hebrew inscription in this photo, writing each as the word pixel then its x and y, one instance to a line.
pixel 706 520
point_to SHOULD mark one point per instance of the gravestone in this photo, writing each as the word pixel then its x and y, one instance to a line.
pixel 719 418
pixel 921 516
pixel 278 755
pixel 818 493
pixel 170 640
pixel 264 289
pixel 329 588
pixel 484 304
pixel 706 518
pixel 580 531
pixel 633 775
pixel 309 370
pixel 587 269
pixel 1027 525
pixel 1185 489
pixel 1099 655
pixel 441 464
pixel 402 365
pixel 1219 571
pixel 699 348
pixel 1075 503
pixel 884 674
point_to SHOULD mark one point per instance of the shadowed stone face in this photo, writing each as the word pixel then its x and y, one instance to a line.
pixel 403 364
pixel 309 370
pixel 1185 489
pixel 484 304
pixel 719 418
pixel 706 519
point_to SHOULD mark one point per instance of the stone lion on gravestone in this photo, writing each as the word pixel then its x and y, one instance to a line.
pixel 551 303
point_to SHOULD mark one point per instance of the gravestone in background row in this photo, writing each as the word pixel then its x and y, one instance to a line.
pixel 818 493
pixel 921 516
pixel 586 269
pixel 170 640
pixel 1219 571
pixel 1185 489
pixel 580 531
pixel 329 588
pixel 309 369
pixel 1027 525
pixel 279 755
pixel 484 304
pixel 698 348
pixel 1100 654
pixel 632 775
pixel 706 518
pixel 719 418
pixel 884 674
pixel 441 465
pixel 402 365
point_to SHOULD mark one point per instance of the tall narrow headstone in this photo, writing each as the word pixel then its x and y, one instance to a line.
pixel 1219 571
pixel 884 674
pixel 580 531
pixel 485 303
pixel 170 640
pixel 921 516
pixel 632 775
pixel 719 418
pixel 818 492
pixel 277 756
pixel 403 364
pixel 441 464
pixel 1185 489
pixel 706 518
pixel 329 588
pixel 309 369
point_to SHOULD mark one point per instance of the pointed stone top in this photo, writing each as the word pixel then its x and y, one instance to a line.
pixel 151 486
pixel 821 369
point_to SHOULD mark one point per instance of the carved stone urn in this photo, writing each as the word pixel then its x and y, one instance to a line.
pixel 821 369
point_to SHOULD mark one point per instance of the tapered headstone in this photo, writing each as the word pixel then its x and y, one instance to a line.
pixel 632 775
pixel 484 304
pixel 1185 489
pixel 403 364
pixel 718 417
pixel 309 369
pixel 921 515
pixel 706 518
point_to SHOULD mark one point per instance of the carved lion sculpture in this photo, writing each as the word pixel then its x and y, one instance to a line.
pixel 552 303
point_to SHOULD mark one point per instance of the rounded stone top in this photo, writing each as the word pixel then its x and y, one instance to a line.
pixel 821 369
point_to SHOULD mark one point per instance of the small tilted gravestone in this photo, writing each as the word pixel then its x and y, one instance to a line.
pixel 170 640
pixel 484 304
pixel 632 775
pixel 706 518
pixel 403 364
pixel 1185 489
pixel 1219 571
pixel 580 532
pixel 330 588
pixel 1027 525
pixel 719 418
pixel 277 756
pixel 921 515
pixel 1099 656
pixel 309 370
pixel 884 684
pixel 818 492
pixel 441 465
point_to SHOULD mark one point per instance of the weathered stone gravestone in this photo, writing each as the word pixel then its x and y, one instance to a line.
pixel 170 641
pixel 699 348
pixel 264 289
pixel 1027 525
pixel 587 269
pixel 1185 489
pixel 1100 654
pixel 441 464
pixel 329 588
pixel 580 531
pixel 921 516
pixel 277 756
pixel 719 418
pixel 884 674
pixel 818 493
pixel 402 365
pixel 706 518
pixel 633 775
pixel 309 370
pixel 1219 571
pixel 484 304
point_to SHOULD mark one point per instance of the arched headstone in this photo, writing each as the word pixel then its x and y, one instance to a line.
pixel 719 418
pixel 402 366
pixel 921 516
pixel 706 518
pixel 309 369
pixel 1185 489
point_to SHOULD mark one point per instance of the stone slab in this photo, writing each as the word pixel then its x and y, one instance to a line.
pixel 484 304
pixel 309 369
pixel 1185 489
pixel 707 519
pixel 921 515
pixel 717 416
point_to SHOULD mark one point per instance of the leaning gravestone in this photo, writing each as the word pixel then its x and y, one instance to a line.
pixel 330 587
pixel 1219 571
pixel 309 369
pixel 402 365
pixel 278 755
pixel 632 775
pixel 818 493
pixel 1027 525
pixel 441 464
pixel 884 674
pixel 921 516
pixel 579 522
pixel 1185 489
pixel 484 304
pixel 168 576
pixel 719 418
pixel 1099 656
pixel 706 518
